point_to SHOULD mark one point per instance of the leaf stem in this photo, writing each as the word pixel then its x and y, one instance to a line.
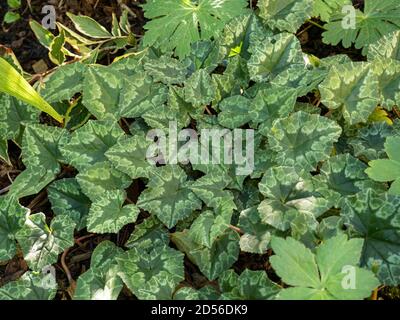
pixel 315 24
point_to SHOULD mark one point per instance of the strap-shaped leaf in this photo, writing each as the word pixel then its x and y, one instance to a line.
pixel 302 140
pixel 379 18
pixel 273 55
pixel 67 199
pixel 89 26
pixel 176 24
pixel 374 217
pixel 40 243
pixel 320 276
pixel 352 87
pixel 31 286
pixel 101 281
pixel 88 144
pixel 290 197
pixel 12 217
pixel 285 15
pixel 168 196
pixel 152 274
pixel 213 261
pixel 249 285
pixel 108 214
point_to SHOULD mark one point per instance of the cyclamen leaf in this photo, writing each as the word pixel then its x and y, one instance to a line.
pixel 213 261
pixel 321 276
pixel 302 140
pixel 341 176
pixel 389 82
pixel 41 147
pixel 375 217
pixel 12 217
pixel 388 169
pixel 369 142
pixel 152 274
pixel 249 285
pixel 166 70
pixel 101 281
pixel 40 243
pixel 176 24
pixel 285 15
pixel 67 199
pixel 387 47
pixel 199 88
pixel 14 115
pixel 4 151
pixel 352 87
pixel 100 178
pixel 257 234
pixel 130 156
pixel 109 215
pixel 147 234
pixel 88 144
pixel 31 286
pixel 290 197
pixel 378 19
pixel 168 196
pixel 273 55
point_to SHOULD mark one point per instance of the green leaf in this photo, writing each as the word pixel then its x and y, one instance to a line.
pixel 369 142
pixel 14 115
pixel 374 217
pixel 130 156
pixel 101 177
pixel 290 199
pixel 330 274
pixel 67 199
pixel 387 47
pixel 341 176
pixel 15 85
pixel 199 89
pixel 12 217
pixel 4 151
pixel 31 286
pixel 249 285
pixel 302 140
pixel 11 17
pixel 40 243
pixel 325 9
pixel 152 274
pixel 285 15
pixel 257 234
pixel 378 19
pixel 108 214
pixel 89 27
pixel 176 24
pixel 273 55
pixel 56 54
pixel 168 196
pixel 388 169
pixel 88 144
pixel 101 281
pixel 14 4
pixel 353 88
pixel 389 82
pixel 40 147
pixel 166 70
pixel 65 82
pixel 44 36
pixel 213 261
pixel 147 234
